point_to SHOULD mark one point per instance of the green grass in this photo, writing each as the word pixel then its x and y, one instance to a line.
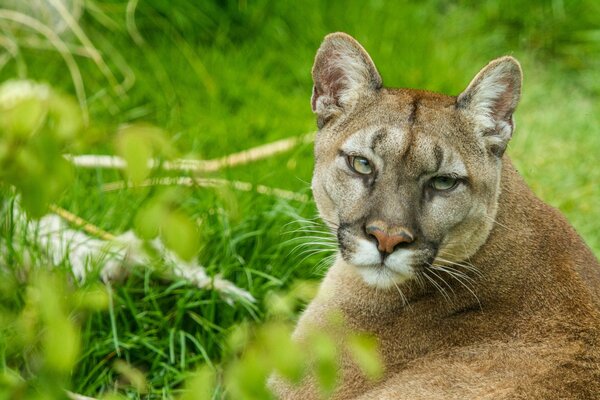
pixel 221 77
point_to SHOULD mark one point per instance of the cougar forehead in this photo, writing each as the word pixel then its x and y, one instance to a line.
pixel 400 122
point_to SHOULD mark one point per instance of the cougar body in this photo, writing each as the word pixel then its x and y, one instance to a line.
pixel 474 288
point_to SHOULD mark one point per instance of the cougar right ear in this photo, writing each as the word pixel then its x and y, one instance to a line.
pixel 491 99
pixel 342 72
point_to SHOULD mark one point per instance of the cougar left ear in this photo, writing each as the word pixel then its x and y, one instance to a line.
pixel 491 99
pixel 343 72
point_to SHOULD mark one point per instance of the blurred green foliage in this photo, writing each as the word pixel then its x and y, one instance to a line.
pixel 162 79
pixel 37 125
pixel 40 336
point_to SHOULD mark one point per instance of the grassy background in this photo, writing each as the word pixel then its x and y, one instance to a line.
pixel 223 76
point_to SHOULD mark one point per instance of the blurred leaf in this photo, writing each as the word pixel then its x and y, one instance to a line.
pixel 365 351
pixel 200 386
pixel 304 290
pixel 239 337
pixel 61 344
pixel 278 304
pixel 132 375
pixel 64 117
pixel 287 356
pixel 326 361
pixel 23 107
pixel 287 304
pixel 61 338
pixel 149 219
pixel 94 298
pixel 180 234
pixel 246 377
pixel 162 215
pixel 135 148
pixel 36 124
pixel 24 118
pixel 138 144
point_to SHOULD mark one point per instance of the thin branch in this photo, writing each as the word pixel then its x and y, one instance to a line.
pixel 188 165
pixel 81 223
pixel 209 182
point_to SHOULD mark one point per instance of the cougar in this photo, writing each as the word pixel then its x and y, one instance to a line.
pixel 473 287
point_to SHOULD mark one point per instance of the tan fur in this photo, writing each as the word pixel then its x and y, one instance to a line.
pixel 527 326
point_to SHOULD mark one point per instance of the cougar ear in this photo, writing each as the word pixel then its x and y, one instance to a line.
pixel 491 98
pixel 342 72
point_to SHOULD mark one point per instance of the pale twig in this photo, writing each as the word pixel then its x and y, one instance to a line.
pixel 210 182
pixel 189 165
pixel 81 223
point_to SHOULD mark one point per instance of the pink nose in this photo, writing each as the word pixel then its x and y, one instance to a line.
pixel 388 239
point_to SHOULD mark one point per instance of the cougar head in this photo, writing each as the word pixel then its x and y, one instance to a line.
pixel 407 178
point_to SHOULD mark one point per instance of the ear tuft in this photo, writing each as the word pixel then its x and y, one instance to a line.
pixel 342 72
pixel 491 99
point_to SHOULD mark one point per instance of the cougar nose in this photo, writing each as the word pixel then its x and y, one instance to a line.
pixel 389 239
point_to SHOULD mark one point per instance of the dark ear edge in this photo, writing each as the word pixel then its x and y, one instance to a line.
pixel 491 99
pixel 342 71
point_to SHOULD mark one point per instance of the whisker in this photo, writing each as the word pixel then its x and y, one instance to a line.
pixel 304 250
pixel 312 252
pixel 442 279
pixel 405 302
pixel 458 276
pixel 454 272
pixel 467 266
pixel 302 231
pixel 317 252
pixel 450 262
pixel 309 238
pixel 311 241
pixel 308 223
pixel 419 279
pixel 317 243
pixel 324 262
pixel 500 224
pixel 438 287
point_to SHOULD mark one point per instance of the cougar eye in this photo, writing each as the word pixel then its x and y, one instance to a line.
pixel 444 183
pixel 360 165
